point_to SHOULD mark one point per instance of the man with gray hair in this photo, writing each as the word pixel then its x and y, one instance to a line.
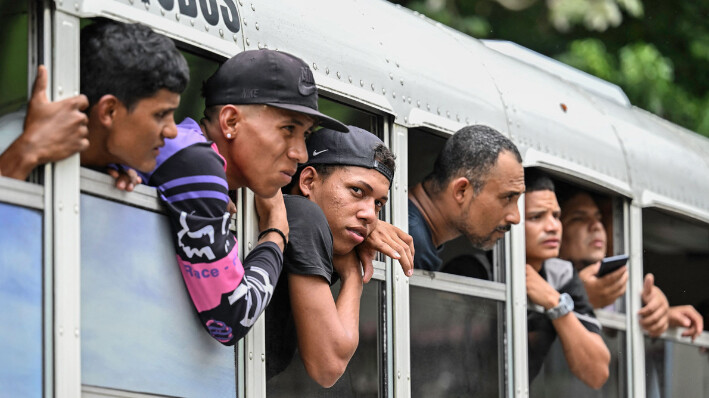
pixel 472 191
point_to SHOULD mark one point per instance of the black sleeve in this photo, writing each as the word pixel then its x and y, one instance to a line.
pixel 309 250
pixel 228 296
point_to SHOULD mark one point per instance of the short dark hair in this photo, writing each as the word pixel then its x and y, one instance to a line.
pixel 382 154
pixel 129 61
pixel 537 180
pixel 471 153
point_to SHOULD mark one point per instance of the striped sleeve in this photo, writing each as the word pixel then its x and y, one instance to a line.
pixel 229 296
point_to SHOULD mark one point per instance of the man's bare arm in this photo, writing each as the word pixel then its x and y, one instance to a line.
pixel 328 331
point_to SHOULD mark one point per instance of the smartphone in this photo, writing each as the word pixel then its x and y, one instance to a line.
pixel 610 264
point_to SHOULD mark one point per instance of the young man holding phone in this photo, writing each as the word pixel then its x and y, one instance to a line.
pixel 584 244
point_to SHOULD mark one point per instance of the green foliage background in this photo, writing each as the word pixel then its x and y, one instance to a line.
pixel 656 51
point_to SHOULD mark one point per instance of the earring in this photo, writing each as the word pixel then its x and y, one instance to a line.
pixel 228 136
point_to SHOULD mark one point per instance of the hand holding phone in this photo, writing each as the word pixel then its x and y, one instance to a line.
pixel 610 264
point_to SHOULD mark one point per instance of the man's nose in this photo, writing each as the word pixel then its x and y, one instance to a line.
pixel 170 131
pixel 513 216
pixel 298 151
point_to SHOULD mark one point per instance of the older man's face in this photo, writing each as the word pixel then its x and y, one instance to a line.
pixel 490 214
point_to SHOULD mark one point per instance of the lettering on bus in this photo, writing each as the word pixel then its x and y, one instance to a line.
pixel 209 10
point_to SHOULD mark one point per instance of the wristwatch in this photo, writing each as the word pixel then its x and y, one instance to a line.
pixel 566 305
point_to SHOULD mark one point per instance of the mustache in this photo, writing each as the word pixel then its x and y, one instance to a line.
pixel 504 228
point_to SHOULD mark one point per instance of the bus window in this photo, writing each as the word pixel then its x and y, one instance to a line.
pixel 14 66
pixel 456 344
pixel 676 251
pixel 21 248
pixel 191 100
pixel 458 256
pixel 136 316
pixel 286 375
pixel 581 209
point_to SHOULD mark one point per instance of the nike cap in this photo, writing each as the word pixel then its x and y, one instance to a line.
pixel 267 77
pixel 357 148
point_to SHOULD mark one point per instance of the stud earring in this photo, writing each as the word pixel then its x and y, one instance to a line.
pixel 228 136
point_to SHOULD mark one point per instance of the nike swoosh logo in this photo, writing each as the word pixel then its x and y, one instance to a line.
pixel 316 153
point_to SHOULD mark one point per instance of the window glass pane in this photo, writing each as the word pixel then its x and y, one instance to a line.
pixel 455 345
pixel 13 64
pixel 676 251
pixel 556 380
pixel 675 369
pixel 361 379
pixel 350 116
pixel 140 330
pixel 21 247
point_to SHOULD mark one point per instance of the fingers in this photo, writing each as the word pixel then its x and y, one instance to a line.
pixel 126 180
pixel 590 271
pixel 39 89
pixel 368 267
pixel 647 286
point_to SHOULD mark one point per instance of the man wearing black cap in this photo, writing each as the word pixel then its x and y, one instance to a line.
pixel 338 194
pixel 260 105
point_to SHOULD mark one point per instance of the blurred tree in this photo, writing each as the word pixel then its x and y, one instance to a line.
pixel 657 51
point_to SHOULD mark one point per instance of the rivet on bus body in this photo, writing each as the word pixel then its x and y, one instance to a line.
pixel 393 94
pixel 147 6
pixel 263 357
pixel 398 374
pixel 76 6
pixel 338 75
pixel 403 98
pixel 401 81
pixel 448 114
pixel 61 2
pixel 384 91
pixel 235 37
pixel 256 25
pixel 315 66
pixel 396 185
pixel 327 70
pixel 76 209
pixel 60 206
pixel 76 332
pixel 250 245
pixel 245 23
pixel 396 63
pixel 349 78
pixel 241 3
pixel 428 107
pixel 192 22
pixel 177 16
pixel 61 330
pixel 221 32
pixel 259 45
pixel 457 117
pixel 438 110
pixel 162 12
pixel 372 86
pixel 418 104
pixel 60 90
pixel 406 119
pixel 248 42
pixel 251 355
pixel 253 7
pixel 391 76
pixel 206 28
pixel 409 100
pixel 387 59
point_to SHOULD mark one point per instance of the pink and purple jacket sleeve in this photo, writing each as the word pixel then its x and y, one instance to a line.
pixel 191 182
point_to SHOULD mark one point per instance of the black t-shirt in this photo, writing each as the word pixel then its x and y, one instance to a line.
pixel 427 254
pixel 309 252
pixel 562 276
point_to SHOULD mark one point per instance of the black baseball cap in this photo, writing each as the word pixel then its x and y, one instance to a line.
pixel 267 77
pixel 357 148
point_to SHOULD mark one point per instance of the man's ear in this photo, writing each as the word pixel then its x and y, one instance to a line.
pixel 308 178
pixel 459 189
pixel 229 118
pixel 106 108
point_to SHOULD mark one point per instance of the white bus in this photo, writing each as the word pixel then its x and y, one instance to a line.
pixel 93 304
